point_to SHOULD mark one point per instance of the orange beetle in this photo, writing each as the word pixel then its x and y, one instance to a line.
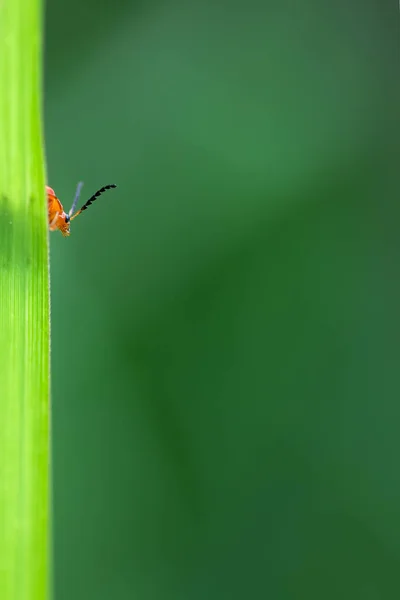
pixel 58 218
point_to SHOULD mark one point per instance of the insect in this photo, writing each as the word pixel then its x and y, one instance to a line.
pixel 58 219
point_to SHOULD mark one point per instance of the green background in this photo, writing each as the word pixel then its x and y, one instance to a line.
pixel 225 324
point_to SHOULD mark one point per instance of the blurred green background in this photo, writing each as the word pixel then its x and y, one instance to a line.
pixel 225 324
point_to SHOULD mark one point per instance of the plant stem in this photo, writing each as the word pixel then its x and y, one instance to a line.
pixel 24 310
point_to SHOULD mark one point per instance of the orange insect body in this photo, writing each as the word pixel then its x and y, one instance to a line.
pixel 58 218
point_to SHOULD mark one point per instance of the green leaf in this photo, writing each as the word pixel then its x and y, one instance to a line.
pixel 24 310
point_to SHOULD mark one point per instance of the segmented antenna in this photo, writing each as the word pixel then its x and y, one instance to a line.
pixel 93 198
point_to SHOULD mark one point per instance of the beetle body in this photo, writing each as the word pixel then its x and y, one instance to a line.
pixel 58 218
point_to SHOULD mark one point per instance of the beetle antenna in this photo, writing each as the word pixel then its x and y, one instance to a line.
pixel 77 194
pixel 93 198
